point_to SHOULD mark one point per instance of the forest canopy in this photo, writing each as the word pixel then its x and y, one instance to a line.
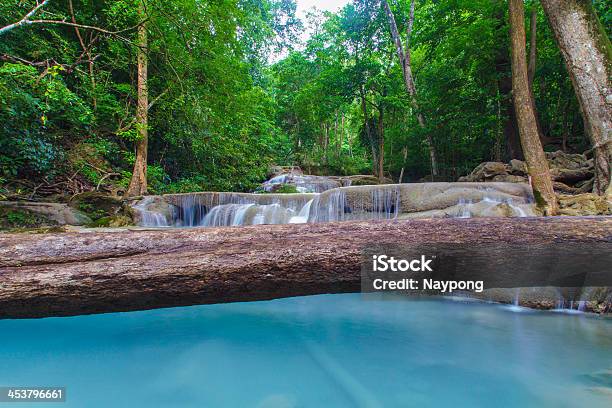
pixel 234 86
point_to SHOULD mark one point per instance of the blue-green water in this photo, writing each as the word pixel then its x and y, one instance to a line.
pixel 318 351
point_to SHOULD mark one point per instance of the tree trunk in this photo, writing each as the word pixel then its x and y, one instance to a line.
pixel 531 68
pixel 405 62
pixel 138 183
pixel 79 273
pixel 537 164
pixel 587 52
pixel 504 85
pixel 404 156
pixel 532 44
pixel 366 125
pixel 381 142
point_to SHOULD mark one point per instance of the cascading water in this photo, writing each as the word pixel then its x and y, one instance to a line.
pixel 464 208
pixel 148 216
pixel 389 201
pixel 302 183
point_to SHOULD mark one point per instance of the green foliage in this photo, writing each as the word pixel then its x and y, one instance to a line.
pixel 38 115
pixel 20 218
pixel 220 113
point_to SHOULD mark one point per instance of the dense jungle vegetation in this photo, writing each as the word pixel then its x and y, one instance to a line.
pixel 233 86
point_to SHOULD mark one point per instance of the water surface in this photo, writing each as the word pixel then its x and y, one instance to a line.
pixel 318 351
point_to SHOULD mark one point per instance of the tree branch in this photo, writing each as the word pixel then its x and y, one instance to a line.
pixel 409 31
pixel 25 19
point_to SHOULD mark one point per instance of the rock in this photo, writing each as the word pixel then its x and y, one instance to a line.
pixel 440 196
pixel 114 221
pixel 164 207
pixel 562 160
pixel 584 204
pixel 560 187
pixel 487 170
pixel 509 178
pixel 571 175
pixel 518 167
pixel 95 201
pixel 363 180
pixel 274 171
pixel 98 205
pixel 50 213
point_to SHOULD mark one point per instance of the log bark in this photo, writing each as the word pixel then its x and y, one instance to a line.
pixel 535 158
pixel 587 52
pixel 93 272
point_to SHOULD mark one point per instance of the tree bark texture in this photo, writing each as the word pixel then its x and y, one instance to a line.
pixel 533 24
pixel 93 272
pixel 587 52
pixel 535 158
pixel 504 84
pixel 138 183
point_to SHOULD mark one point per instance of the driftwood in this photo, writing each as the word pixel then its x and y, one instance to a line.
pixel 91 272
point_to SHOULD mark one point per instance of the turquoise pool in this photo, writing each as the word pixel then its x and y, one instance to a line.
pixel 318 351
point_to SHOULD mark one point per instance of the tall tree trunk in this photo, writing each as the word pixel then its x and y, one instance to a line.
pixel 138 183
pixel 381 142
pixel 532 44
pixel 504 85
pixel 404 155
pixel 587 52
pixel 537 165
pixel 366 125
pixel 405 62
pixel 531 68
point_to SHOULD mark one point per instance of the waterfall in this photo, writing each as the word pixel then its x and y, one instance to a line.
pixel 464 208
pixel 377 202
pixel 148 216
pixel 302 183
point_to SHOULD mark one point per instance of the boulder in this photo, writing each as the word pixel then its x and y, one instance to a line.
pixel 98 205
pixel 45 214
pixel 571 173
pixel 363 180
pixel 562 160
pixel 518 167
pixel 486 171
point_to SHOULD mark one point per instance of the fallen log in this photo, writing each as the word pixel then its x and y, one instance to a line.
pixel 73 273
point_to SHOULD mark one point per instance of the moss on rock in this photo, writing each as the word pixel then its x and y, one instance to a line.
pixel 11 218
